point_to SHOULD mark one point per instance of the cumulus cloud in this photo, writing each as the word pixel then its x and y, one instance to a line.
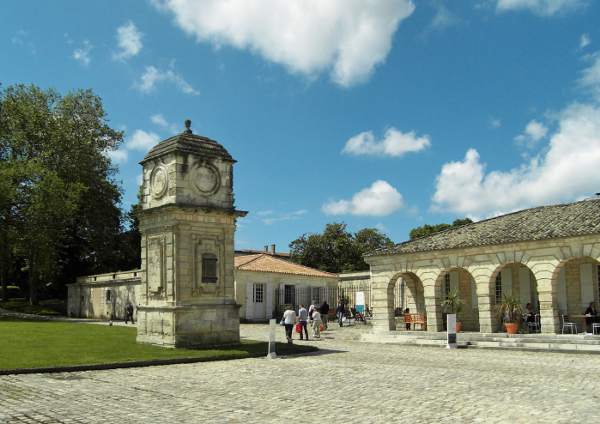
pixel 443 17
pixel 129 40
pixel 540 7
pixel 566 170
pixel 534 132
pixel 153 76
pixel 590 77
pixel 495 122
pixel 117 156
pixel 142 140
pixel 348 38
pixel 584 41
pixel 160 121
pixel 394 143
pixel 379 199
pixel 82 54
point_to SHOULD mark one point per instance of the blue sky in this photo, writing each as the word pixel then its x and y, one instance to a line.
pixel 387 114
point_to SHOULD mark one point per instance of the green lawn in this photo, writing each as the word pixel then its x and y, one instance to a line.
pixel 28 344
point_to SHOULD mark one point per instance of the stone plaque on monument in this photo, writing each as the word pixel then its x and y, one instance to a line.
pixel 187 224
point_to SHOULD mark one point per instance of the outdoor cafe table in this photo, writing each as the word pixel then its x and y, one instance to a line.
pixel 592 318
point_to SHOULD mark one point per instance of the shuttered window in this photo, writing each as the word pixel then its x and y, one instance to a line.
pixel 209 268
pixel 499 288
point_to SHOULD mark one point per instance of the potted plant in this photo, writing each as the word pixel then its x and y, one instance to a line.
pixel 453 305
pixel 510 312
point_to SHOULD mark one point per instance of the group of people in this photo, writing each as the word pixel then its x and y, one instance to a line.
pixel 315 315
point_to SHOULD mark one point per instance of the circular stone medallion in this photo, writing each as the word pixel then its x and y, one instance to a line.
pixel 159 182
pixel 206 179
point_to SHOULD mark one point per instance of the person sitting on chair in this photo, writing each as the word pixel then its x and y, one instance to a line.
pixel 590 315
pixel 407 312
pixel 529 313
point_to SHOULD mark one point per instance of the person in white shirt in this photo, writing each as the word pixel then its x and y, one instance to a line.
pixel 289 319
pixel 316 324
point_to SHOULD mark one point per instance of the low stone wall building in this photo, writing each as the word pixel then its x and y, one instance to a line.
pixel 103 296
pixel 264 282
pixel 547 256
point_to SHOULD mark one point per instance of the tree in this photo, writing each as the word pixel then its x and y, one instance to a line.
pixel 336 249
pixel 60 144
pixel 427 229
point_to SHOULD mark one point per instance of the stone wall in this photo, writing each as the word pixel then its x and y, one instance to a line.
pixel 544 259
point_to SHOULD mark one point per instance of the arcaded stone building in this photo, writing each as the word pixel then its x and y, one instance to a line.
pixel 548 256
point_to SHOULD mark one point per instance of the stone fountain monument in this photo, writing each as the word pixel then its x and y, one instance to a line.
pixel 187 225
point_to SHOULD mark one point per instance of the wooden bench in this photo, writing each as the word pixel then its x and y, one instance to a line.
pixel 415 319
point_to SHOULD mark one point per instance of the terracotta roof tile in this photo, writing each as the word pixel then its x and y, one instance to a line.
pixel 268 263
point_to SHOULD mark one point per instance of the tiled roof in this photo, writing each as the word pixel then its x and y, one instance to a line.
pixel 265 262
pixel 187 142
pixel 541 223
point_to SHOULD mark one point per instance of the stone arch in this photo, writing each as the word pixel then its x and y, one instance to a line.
pixel 457 278
pixel 383 288
pixel 515 279
pixel 576 282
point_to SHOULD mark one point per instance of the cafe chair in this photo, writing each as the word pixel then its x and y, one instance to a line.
pixel 534 326
pixel 595 326
pixel 570 325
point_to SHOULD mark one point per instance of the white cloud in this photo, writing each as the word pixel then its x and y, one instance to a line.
pixel 142 140
pixel 584 41
pixel 566 170
pixel 153 76
pixel 394 143
pixel 129 39
pixel 82 54
pixel 495 122
pixel 159 120
pixel 117 156
pixel 534 132
pixel 271 217
pixel 22 39
pixel 349 38
pixel 443 17
pixel 590 77
pixel 540 7
pixel 378 200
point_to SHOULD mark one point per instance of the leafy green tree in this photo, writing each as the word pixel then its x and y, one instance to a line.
pixel 427 229
pixel 336 249
pixel 61 145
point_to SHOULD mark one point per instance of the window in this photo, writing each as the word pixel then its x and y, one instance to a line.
pixel 499 288
pixel 598 280
pixel 447 284
pixel 108 296
pixel 209 268
pixel 259 290
pixel 289 295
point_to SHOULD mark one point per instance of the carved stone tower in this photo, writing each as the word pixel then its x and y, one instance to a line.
pixel 187 225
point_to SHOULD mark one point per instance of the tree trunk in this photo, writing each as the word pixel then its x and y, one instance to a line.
pixel 4 283
pixel 33 292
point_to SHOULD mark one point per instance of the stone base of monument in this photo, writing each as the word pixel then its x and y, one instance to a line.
pixel 189 326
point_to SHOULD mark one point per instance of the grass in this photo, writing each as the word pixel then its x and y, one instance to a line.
pixel 28 344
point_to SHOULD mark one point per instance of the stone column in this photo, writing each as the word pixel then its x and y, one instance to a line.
pixel 382 291
pixel 546 285
pixel 482 276
pixel 432 306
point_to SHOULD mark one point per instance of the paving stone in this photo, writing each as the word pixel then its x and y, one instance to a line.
pixel 347 381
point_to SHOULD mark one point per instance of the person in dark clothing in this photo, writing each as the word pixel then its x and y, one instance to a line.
pixel 324 310
pixel 129 312
pixel 340 312
pixel 590 316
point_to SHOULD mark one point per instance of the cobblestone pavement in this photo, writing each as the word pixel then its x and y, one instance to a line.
pixel 347 381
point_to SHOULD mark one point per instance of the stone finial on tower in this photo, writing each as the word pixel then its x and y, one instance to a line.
pixel 188 126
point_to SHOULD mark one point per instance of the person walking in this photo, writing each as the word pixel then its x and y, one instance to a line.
pixel 129 312
pixel 340 312
pixel 316 324
pixel 302 319
pixel 289 319
pixel 324 309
